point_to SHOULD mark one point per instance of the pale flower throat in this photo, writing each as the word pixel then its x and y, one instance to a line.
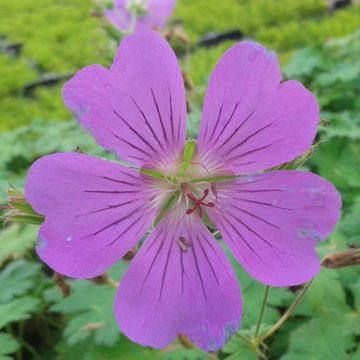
pixel 138 7
pixel 185 186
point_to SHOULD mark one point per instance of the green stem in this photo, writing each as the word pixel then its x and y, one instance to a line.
pixel 214 179
pixel 262 309
pixel 287 313
pixel 152 173
pixel 35 355
pixel 19 354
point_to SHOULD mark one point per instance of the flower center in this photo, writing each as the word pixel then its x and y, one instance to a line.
pixel 138 7
pixel 187 184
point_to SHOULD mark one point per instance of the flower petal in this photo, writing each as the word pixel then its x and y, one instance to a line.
pixel 137 109
pixel 250 121
pixel 272 221
pixel 119 17
pixel 180 282
pixel 95 211
pixel 158 12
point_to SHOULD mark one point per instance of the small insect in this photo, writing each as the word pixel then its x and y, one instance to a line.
pixel 183 243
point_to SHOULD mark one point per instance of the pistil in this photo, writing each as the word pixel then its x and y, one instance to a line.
pixel 198 202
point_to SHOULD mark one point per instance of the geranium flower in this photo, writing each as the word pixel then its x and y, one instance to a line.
pixel 180 281
pixel 139 15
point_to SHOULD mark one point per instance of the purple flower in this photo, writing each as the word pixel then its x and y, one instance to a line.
pixel 181 282
pixel 140 15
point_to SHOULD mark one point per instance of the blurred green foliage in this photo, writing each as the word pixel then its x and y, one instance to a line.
pixel 55 36
pixel 61 36
pixel 281 25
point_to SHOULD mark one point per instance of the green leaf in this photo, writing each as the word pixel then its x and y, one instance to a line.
pixel 8 345
pixel 349 225
pixel 253 293
pixel 16 240
pixel 90 310
pixel 318 339
pixel 336 160
pixel 238 348
pixel 305 62
pixel 124 349
pixel 18 309
pixel 185 354
pixel 16 279
pixel 325 297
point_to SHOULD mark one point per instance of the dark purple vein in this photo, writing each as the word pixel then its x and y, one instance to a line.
pixel 159 115
pixel 112 191
pixel 227 123
pixel 179 126
pixel 235 131
pixel 134 131
pixel 198 269
pixel 147 123
pixel 124 182
pixel 216 253
pixel 217 121
pixel 254 216
pixel 109 207
pixel 114 223
pixel 165 268
pixel 206 130
pixel 249 228
pixel 153 261
pixel 250 152
pixel 127 229
pixel 248 138
pixel 262 203
pixel 257 190
pixel 182 269
pixel 171 117
pixel 208 261
pixel 248 245
pixel 153 243
pixel 238 233
pixel 132 145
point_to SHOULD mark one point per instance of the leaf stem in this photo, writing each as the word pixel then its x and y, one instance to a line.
pixel 243 338
pixel 287 313
pixel 262 309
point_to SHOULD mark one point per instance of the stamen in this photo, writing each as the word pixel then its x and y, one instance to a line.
pixel 213 189
pixel 183 244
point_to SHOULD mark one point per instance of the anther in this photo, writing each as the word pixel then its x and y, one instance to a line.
pixel 183 243
pixel 213 190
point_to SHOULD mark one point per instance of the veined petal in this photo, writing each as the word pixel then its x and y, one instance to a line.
pixel 180 282
pixel 250 121
pixel 137 109
pixel 272 221
pixel 95 211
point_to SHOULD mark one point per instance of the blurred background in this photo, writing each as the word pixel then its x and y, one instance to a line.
pixel 44 42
